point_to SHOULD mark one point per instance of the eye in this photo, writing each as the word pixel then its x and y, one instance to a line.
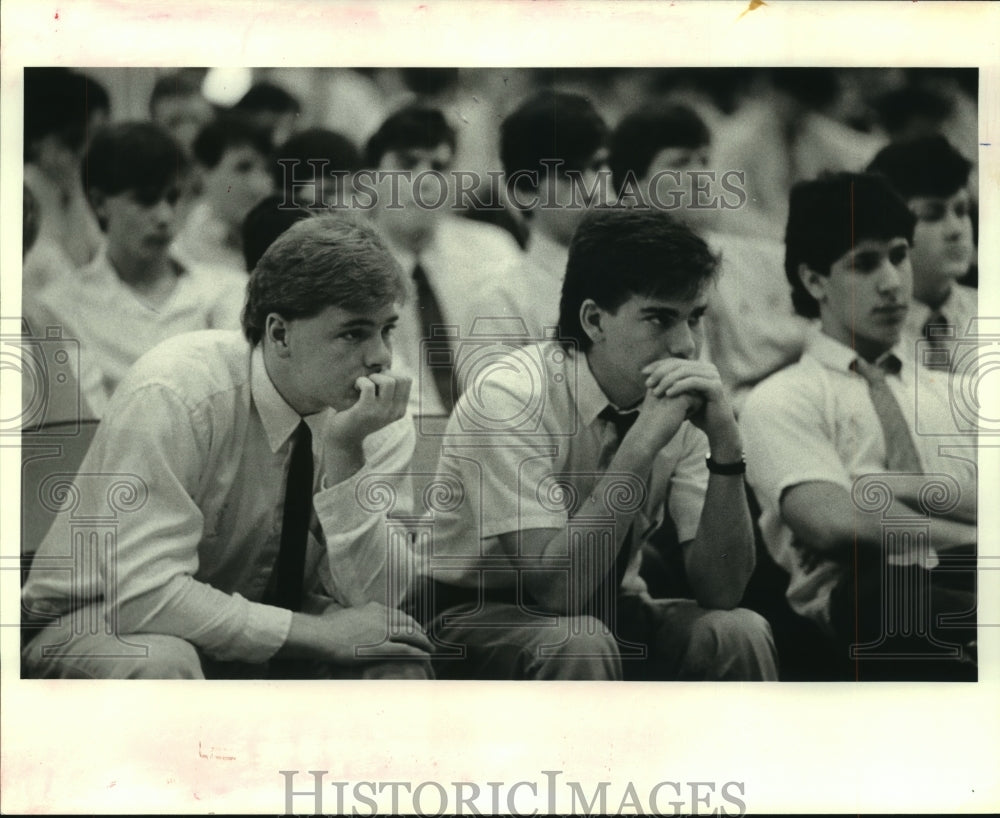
pixel 866 262
pixel 898 254
pixel 962 209
pixel 931 212
pixel 695 318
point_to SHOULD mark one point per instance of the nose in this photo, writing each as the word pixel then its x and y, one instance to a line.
pixel 378 354
pixel 164 211
pixel 683 341
pixel 890 276
pixel 956 223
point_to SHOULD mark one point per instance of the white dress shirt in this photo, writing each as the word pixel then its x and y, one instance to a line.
pixel 115 326
pixel 200 427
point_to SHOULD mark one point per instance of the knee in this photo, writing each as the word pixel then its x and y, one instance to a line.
pixel 167 657
pixel 734 628
pixel 587 650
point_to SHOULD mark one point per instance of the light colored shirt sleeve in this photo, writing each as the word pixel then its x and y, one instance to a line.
pixel 789 440
pixel 155 437
pixel 355 517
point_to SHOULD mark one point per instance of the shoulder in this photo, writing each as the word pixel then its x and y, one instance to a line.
pixel 457 232
pixel 193 366
pixel 798 385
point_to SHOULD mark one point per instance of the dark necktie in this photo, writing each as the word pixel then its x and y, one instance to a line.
pixel 901 453
pixel 621 422
pixel 295 521
pixel 436 348
pixel 940 335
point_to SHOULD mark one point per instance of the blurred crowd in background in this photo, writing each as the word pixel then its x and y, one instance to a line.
pixel 773 127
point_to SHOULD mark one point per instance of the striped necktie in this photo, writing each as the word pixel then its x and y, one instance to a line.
pixel 901 453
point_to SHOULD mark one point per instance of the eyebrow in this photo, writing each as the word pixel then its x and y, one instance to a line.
pixel 670 312
pixel 367 322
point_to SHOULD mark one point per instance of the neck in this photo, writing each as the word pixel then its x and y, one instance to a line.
pixel 141 270
pixel 275 370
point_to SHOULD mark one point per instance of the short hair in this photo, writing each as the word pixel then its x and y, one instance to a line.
pixel 414 126
pixel 56 103
pixel 927 166
pixel 552 125
pixel 228 131
pixel 317 143
pixel 830 215
pixel 266 96
pixel 320 262
pixel 133 156
pixel 617 253
pixel 645 132
pixel 264 223
pixel 177 84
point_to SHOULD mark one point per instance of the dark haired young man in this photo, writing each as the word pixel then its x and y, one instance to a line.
pixel 751 329
pixel 247 541
pixel 554 154
pixel 177 103
pixel 232 156
pixel 448 258
pixel 933 178
pixel 594 441
pixel 847 412
pixel 135 293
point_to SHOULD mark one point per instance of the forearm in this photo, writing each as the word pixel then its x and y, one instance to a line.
pixel 551 588
pixel 720 560
pixel 224 626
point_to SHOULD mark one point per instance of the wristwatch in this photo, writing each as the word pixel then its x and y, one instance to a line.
pixel 739 467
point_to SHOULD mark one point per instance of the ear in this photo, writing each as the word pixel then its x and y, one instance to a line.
pixel 276 334
pixel 814 282
pixel 592 320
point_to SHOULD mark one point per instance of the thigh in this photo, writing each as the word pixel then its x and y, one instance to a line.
pixel 498 640
pixel 688 642
pixel 65 651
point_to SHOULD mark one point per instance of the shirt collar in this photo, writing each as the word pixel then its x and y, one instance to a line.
pixel 278 418
pixel 837 356
pixel 589 397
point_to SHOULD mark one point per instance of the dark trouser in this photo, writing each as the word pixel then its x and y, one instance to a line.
pixel 906 623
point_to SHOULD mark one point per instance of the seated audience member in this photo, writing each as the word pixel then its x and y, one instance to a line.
pixel 933 178
pixel 554 153
pixel 848 411
pixel 270 108
pixel 315 169
pixel 267 220
pixel 232 158
pixel 751 328
pixel 448 258
pixel 134 294
pixel 58 118
pixel 178 105
pixel 612 448
pixel 247 546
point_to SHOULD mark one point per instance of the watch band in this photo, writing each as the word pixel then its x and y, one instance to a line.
pixel 739 467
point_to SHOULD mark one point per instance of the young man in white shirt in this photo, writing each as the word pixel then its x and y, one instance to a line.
pixel 213 565
pixel 563 458
pixel 135 293
pixel 933 178
pixel 854 410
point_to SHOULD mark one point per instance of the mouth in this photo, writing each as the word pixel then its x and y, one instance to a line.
pixel 892 313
